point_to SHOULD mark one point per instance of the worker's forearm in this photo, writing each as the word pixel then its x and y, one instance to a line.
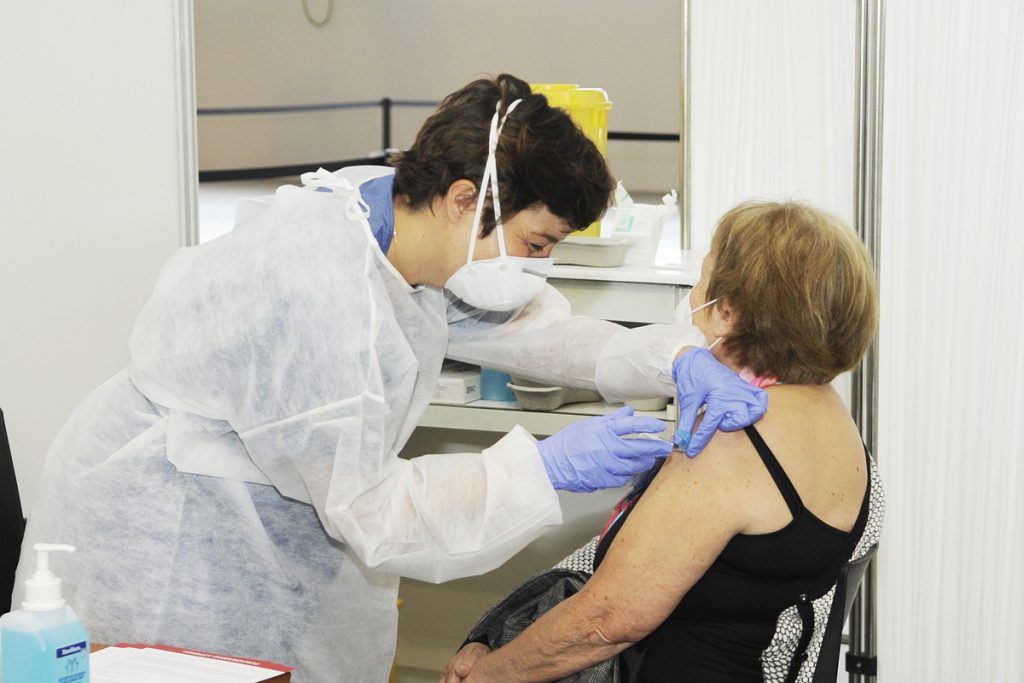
pixel 637 363
pixel 440 517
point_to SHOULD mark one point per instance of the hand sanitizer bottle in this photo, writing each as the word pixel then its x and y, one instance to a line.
pixel 43 642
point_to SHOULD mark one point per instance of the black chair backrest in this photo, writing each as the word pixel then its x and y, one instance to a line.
pixel 850 577
pixel 12 522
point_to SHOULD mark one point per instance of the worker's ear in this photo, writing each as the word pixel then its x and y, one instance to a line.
pixel 460 199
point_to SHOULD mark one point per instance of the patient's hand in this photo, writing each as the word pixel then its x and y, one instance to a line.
pixel 460 665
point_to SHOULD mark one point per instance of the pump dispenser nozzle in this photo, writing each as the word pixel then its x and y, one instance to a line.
pixel 43 590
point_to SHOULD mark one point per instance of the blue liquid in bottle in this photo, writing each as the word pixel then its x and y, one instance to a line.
pixel 43 642
pixel 44 647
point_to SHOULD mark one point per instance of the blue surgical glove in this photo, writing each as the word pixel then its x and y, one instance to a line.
pixel 732 403
pixel 591 454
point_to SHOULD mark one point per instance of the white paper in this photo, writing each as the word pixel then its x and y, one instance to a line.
pixel 148 665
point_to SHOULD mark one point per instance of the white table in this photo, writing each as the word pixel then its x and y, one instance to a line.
pixel 630 293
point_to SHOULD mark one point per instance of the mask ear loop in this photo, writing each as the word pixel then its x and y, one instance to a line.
pixel 482 192
pixel 490 177
pixel 492 159
pixel 702 307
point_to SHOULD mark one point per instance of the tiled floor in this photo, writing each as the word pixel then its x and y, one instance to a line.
pixel 407 675
pixel 217 202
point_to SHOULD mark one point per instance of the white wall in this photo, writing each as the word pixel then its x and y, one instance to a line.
pixel 262 53
pixel 90 200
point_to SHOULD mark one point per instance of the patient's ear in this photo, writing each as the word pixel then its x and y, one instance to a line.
pixel 723 318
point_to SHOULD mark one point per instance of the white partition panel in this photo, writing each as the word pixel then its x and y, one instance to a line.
pixel 951 373
pixel 772 103
pixel 95 194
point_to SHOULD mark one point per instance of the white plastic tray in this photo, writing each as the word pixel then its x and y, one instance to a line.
pixel 601 252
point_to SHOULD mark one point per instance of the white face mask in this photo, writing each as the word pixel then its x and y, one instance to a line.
pixel 684 314
pixel 503 283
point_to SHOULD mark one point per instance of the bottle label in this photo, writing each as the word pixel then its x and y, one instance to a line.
pixel 73 663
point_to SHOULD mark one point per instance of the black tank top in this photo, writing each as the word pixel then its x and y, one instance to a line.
pixel 721 626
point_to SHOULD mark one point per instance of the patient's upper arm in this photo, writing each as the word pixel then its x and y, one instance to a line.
pixel 676 531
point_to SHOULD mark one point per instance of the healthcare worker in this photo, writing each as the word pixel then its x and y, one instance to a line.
pixel 238 488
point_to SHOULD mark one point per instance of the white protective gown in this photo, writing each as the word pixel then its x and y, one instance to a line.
pixel 238 488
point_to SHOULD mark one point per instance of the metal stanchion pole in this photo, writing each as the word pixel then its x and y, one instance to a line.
pixel 385 124
pixel 861 661
pixel 684 130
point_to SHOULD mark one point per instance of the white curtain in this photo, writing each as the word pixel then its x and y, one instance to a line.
pixel 772 97
pixel 951 417
pixel 772 103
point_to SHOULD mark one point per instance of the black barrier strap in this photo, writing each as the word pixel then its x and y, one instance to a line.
pixel 386 105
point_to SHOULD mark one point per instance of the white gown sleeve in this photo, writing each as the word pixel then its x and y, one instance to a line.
pixel 278 331
pixel 545 343
pixel 469 512
pixel 637 363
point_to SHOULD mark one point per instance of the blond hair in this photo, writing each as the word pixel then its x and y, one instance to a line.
pixel 801 287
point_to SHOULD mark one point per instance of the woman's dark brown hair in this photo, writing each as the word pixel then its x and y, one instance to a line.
pixel 543 158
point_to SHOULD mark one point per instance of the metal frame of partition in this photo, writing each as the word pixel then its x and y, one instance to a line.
pixel 685 195
pixel 185 96
pixel 862 659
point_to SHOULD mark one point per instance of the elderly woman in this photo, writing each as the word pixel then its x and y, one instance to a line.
pixel 704 573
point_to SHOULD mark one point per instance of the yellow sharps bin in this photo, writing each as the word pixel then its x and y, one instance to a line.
pixel 588 107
